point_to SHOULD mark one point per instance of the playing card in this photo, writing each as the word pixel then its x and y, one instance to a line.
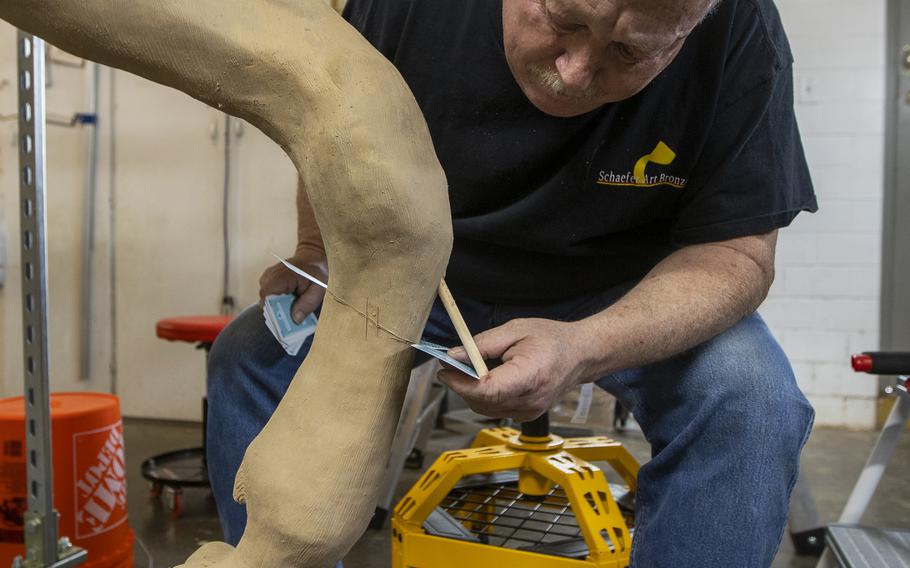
pixel 439 352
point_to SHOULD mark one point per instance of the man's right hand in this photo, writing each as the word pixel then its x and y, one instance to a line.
pixel 278 279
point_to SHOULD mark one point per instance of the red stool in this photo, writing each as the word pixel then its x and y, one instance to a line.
pixel 184 468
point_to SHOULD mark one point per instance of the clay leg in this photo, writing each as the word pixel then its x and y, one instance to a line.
pixel 352 128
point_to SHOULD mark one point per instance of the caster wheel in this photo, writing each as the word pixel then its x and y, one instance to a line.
pixel 175 502
pixel 414 460
pixel 155 490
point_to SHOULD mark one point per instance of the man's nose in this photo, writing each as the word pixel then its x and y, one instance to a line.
pixel 576 68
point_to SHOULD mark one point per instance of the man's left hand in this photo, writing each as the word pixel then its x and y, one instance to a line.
pixel 541 359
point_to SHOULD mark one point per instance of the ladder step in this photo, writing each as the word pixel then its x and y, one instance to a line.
pixel 869 547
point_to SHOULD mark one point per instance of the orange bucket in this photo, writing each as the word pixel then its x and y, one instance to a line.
pixel 89 477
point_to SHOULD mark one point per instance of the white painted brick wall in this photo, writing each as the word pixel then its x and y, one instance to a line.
pixel 825 302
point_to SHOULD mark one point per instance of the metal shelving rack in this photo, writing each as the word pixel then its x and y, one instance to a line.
pixel 42 546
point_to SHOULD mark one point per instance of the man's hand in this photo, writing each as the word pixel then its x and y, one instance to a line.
pixel 541 358
pixel 277 279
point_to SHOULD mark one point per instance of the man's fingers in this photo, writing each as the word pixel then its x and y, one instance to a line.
pixel 265 284
pixel 458 381
pixel 500 394
pixel 492 343
pixel 276 280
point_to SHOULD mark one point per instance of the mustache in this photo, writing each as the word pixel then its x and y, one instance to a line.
pixel 550 79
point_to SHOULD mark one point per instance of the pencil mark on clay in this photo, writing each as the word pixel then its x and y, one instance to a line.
pixel 392 333
pixel 374 318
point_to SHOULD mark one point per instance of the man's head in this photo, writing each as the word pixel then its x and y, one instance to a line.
pixel 572 56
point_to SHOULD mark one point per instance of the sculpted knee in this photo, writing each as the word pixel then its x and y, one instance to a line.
pixel 377 242
pixel 380 191
pixel 400 208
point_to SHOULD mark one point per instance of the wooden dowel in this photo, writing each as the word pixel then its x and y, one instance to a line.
pixel 462 329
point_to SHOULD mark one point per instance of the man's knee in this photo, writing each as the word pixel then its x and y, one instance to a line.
pixel 225 349
pixel 751 388
pixel 241 346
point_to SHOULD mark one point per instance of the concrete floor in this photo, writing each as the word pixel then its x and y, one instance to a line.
pixel 832 461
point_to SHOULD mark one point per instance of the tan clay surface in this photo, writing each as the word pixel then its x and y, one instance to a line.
pixel 345 117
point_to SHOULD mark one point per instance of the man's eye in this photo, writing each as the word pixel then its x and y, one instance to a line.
pixel 566 28
pixel 561 25
pixel 626 53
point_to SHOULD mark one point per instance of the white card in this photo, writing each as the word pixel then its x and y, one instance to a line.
pixel 439 352
pixel 296 270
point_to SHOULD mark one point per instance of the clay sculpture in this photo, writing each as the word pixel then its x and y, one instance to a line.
pixel 343 114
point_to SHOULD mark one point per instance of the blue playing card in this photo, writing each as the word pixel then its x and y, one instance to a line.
pixel 439 352
pixel 279 306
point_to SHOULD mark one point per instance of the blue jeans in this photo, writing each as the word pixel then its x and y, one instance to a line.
pixel 726 422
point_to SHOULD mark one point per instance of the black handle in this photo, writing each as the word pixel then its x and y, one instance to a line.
pixel 882 362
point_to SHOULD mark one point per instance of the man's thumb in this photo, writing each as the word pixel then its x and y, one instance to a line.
pixel 300 308
pixel 306 303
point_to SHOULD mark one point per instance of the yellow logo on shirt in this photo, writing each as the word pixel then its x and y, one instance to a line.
pixel 661 155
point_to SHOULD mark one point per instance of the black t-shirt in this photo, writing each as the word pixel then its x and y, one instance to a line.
pixel 545 208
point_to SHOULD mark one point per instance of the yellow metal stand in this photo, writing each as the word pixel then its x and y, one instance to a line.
pixel 559 500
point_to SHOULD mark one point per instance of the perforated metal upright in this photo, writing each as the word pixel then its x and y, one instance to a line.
pixel 42 546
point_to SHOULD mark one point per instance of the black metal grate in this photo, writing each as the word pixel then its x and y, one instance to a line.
pixel 500 515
